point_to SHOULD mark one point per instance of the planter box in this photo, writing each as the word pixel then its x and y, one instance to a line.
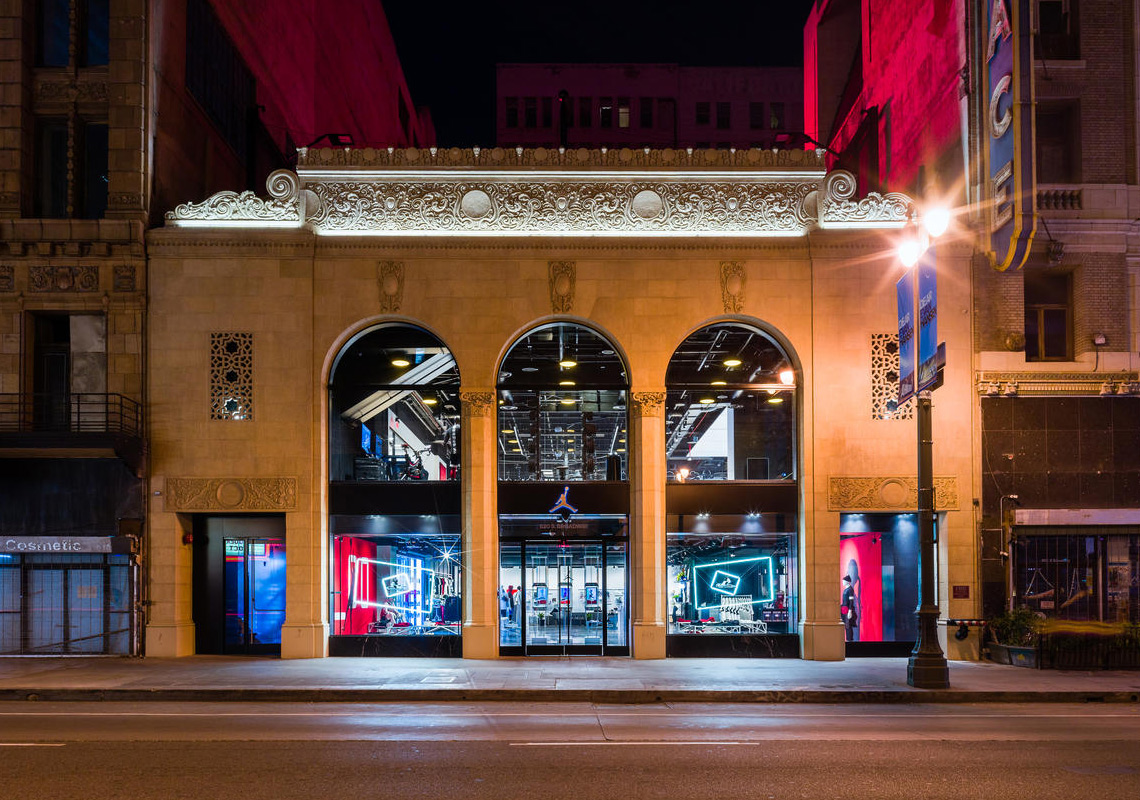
pixel 1023 656
pixel 998 653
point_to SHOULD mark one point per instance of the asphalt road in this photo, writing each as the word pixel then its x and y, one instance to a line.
pixel 502 751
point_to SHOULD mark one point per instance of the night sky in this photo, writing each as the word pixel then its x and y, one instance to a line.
pixel 449 49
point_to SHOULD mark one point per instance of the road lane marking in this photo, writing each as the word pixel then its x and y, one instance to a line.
pixel 637 744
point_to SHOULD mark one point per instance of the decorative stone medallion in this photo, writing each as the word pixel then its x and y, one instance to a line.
pixel 231 494
pixel 894 493
pixel 562 275
pixel 732 280
pixel 390 275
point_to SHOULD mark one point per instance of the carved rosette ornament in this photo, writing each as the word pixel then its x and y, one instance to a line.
pixel 562 275
pixel 231 494
pixel 477 404
pixel 838 210
pixel 732 280
pixel 647 404
pixel 390 275
pixel 887 494
pixel 124 278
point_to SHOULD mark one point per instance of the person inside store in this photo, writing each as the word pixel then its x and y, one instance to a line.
pixel 849 605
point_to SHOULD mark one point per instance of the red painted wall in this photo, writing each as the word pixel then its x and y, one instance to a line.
pixel 910 57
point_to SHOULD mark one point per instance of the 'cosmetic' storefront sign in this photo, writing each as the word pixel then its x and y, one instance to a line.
pixel 1009 125
pixel 55 544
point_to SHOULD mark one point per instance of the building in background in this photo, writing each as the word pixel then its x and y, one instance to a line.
pixel 648 105
pixel 112 113
pixel 912 99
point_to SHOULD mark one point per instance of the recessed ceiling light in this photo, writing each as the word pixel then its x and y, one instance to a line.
pixel 430 401
pixel 530 369
pixel 621 440
pixel 566 383
pixel 506 430
pixel 718 383
pixel 607 352
pixel 775 400
pixel 567 401
pixel 569 449
pixel 732 362
pixel 567 363
pixel 620 450
pixel 516 450
pixel 706 401
pixel 512 441
pixel 400 362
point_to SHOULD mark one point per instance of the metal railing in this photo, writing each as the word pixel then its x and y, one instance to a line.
pixel 76 413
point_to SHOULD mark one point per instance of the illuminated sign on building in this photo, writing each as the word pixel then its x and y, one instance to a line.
pixel 1010 169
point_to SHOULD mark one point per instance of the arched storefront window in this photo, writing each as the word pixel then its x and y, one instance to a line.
pixel 732 500
pixel 563 500
pixel 562 407
pixel 394 501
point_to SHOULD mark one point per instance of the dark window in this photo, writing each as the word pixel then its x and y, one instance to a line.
pixel 565 110
pixel 96 18
pixel 53 33
pixel 217 77
pixel 606 112
pixel 51 168
pixel 723 116
pixel 512 112
pixel 623 112
pixel 702 113
pixel 666 113
pixel 530 112
pixel 1057 30
pixel 1058 143
pixel 93 200
pixel 405 116
pixel 1048 316
pixel 547 112
pixel 646 112
pixel 756 115
pixel 585 112
pixel 776 119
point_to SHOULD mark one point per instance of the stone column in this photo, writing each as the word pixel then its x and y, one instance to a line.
pixel 647 522
pixel 305 633
pixel 169 615
pixel 480 525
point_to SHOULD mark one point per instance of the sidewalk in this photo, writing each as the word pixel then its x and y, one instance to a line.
pixel 599 680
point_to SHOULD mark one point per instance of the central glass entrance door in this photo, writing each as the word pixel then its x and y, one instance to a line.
pixel 254 595
pixel 564 597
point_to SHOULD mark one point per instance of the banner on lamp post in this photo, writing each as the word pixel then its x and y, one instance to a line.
pixel 905 288
pixel 928 358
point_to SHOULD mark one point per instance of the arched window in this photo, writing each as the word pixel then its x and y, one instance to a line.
pixel 562 407
pixel 730 407
pixel 394 408
pixel 731 502
pixel 394 500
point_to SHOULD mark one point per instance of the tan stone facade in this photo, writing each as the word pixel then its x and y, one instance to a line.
pixel 824 289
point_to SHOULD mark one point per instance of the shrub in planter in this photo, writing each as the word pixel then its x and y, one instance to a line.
pixel 1017 628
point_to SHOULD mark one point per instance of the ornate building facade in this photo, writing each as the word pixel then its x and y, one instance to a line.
pixel 524 402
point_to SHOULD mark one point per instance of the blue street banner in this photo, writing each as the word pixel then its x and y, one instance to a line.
pixel 905 288
pixel 927 319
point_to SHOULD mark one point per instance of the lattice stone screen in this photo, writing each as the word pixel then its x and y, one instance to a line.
pixel 231 376
pixel 885 379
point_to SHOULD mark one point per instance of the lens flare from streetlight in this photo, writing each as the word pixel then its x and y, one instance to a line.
pixel 909 251
pixel 936 220
pixel 787 377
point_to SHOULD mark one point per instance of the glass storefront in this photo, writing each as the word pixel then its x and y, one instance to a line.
pixel 563 586
pixel 730 575
pixel 396 576
pixel 394 408
pixel 878 577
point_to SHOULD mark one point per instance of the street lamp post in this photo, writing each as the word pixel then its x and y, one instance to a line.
pixel 926 668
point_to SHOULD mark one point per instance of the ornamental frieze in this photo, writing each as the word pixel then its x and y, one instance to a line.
pixel 1044 384
pixel 231 494
pixel 44 278
pixel 370 192
pixel 895 493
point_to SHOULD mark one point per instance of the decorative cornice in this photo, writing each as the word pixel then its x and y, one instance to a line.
pixel 732 282
pixel 562 277
pixel 477 404
pixel 390 276
pixel 231 494
pixel 547 158
pixel 1038 384
pixel 647 404
pixel 282 210
pixel 894 493
pixel 370 192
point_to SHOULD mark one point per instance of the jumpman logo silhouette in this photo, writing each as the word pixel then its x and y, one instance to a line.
pixel 563 504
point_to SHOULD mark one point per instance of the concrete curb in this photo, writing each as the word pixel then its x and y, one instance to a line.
pixel 598 696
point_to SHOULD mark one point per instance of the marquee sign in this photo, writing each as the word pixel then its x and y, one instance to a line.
pixel 1009 126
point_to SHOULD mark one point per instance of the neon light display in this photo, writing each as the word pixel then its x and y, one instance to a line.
pixel 753 577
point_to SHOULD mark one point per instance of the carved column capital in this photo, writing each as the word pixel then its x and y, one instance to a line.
pixel 477 404
pixel 647 404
